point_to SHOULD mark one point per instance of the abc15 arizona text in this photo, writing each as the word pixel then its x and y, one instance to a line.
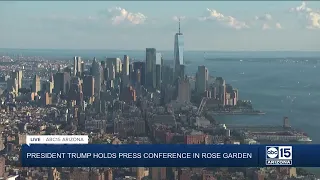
pixel 278 155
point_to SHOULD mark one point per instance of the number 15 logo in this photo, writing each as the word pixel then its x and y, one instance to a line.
pixel 285 152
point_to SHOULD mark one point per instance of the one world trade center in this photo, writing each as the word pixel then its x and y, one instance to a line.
pixel 178 54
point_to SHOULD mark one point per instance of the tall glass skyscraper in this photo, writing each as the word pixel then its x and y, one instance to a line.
pixel 151 58
pixel 97 74
pixel 178 52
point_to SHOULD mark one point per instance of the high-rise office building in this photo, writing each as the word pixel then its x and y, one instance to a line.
pixel 159 64
pixel 137 79
pixel 111 72
pixel 220 89
pixel 75 89
pixel 230 95
pixel 62 82
pixel 47 99
pixel 106 74
pixel 178 52
pixel 125 71
pixel 17 75
pixel 12 85
pixel 151 67
pixel 75 65
pixel 139 69
pixel 82 67
pixel 184 90
pixel 182 71
pixel 68 70
pixel 167 74
pixel 103 64
pixel 131 72
pixel 88 86
pixel 117 64
pixel 126 64
pixel 202 79
pixel 159 59
pixel 77 62
pixel 47 86
pixel 51 79
pixel 36 85
pixel 158 76
pixel 97 74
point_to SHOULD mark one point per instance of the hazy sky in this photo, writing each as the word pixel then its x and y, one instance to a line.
pixel 133 25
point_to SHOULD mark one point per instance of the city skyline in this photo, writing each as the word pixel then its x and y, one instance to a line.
pixel 218 26
pixel 150 96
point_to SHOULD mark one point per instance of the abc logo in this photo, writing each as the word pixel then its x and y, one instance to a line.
pixel 272 152
pixel 278 155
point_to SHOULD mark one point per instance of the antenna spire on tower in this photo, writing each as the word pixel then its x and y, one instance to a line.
pixel 179 25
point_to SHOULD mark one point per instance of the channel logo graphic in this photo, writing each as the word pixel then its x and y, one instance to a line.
pixel 279 155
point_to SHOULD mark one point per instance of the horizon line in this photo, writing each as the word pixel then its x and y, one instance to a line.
pixel 54 49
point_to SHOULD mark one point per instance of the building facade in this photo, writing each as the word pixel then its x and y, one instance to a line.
pixel 151 67
pixel 202 79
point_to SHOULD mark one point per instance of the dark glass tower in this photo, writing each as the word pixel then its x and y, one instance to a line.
pixel 178 52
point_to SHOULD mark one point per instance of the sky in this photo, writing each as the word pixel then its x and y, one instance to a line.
pixel 130 25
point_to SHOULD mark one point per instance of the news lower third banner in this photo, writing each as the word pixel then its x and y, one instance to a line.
pixel 105 155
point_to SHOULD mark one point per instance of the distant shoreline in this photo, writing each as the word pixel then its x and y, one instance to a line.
pixel 238 113
pixel 164 50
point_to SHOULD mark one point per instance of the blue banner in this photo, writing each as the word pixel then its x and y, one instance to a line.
pixel 103 155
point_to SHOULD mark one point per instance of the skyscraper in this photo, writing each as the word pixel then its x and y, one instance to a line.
pixel 201 79
pixel 182 71
pixel 77 66
pixel 17 75
pixel 151 67
pixel 167 74
pixel 139 69
pixel 103 64
pixel 125 71
pixel 62 82
pixel 48 86
pixel 178 52
pixel 111 72
pixel 88 86
pixel 220 89
pixel 126 65
pixel 116 62
pixel 97 74
pixel 12 85
pixel 184 90
pixel 159 63
pixel 75 89
pixel 158 76
pixel 36 84
pixel 82 67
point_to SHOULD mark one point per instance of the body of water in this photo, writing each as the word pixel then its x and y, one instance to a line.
pixel 279 89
